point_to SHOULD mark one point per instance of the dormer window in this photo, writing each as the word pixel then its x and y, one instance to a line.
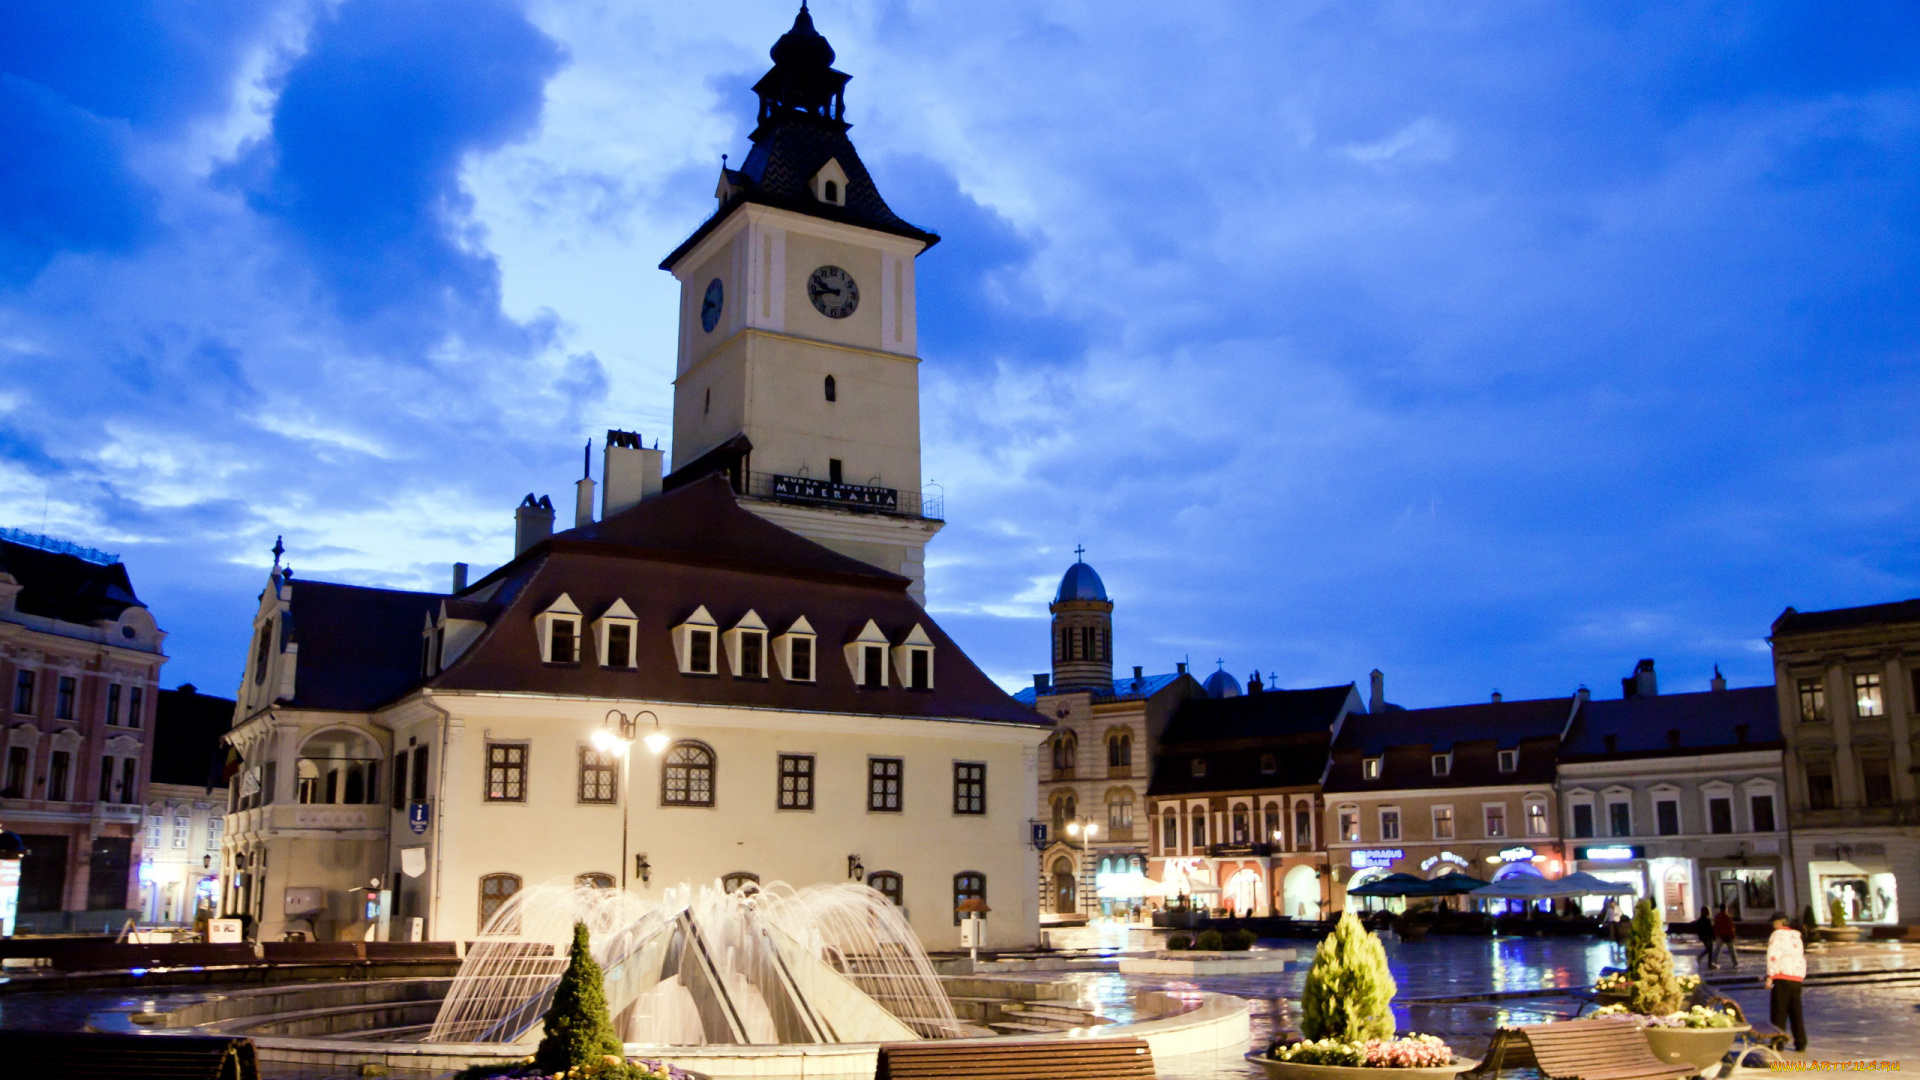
pixel 747 648
pixel 913 659
pixel 867 657
pixel 559 630
pixel 1269 764
pixel 794 651
pixel 1199 766
pixel 693 643
pixel 830 184
pixel 1509 760
pixel 1370 768
pixel 613 635
pixel 1442 764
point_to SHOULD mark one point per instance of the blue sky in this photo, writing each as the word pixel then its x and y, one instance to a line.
pixel 1496 345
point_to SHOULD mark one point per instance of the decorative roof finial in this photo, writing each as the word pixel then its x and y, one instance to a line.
pixel 1078 551
pixel 279 549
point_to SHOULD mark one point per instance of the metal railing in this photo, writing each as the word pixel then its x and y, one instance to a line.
pixel 58 546
pixel 862 498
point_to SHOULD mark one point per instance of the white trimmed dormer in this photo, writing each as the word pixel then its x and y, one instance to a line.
pixel 829 185
pixel 913 660
pixel 614 635
pixel 558 629
pixel 747 647
pixel 797 651
pixel 867 657
pixel 693 644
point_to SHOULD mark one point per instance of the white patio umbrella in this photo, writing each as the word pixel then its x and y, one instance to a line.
pixel 1519 887
pixel 1581 883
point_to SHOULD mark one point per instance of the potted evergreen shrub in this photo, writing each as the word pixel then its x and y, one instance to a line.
pixel 1838 929
pixel 578 1041
pixel 1346 1019
pixel 1655 999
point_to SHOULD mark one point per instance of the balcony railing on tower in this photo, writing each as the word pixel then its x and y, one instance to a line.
pixel 862 498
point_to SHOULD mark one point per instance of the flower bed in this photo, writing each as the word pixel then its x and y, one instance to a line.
pixel 1700 1016
pixel 1616 982
pixel 1404 1052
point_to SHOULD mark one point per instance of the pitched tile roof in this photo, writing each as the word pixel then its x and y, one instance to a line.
pixel 56 585
pixel 1810 622
pixel 1123 689
pixel 359 647
pixel 1233 737
pixel 1668 724
pixel 1407 739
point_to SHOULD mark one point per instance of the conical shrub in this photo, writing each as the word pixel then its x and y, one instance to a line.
pixel 577 1029
pixel 1654 990
pixel 1349 990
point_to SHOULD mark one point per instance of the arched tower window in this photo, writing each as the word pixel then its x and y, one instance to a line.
pixel 833 394
pixel 1120 750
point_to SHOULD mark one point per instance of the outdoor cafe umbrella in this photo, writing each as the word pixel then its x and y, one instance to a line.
pixel 1581 883
pixel 1391 885
pixel 1522 887
pixel 1448 885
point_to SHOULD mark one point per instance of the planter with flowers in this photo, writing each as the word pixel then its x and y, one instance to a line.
pixel 1697 1037
pixel 578 1040
pixel 1838 930
pixel 1346 1016
pixel 1613 987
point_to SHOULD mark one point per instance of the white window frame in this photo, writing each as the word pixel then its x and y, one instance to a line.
pixel 1442 764
pixel 1611 798
pixel 1719 789
pixel 1860 682
pixel 701 621
pixel 1371 767
pixel 801 630
pixel 1452 820
pixel 916 641
pixel 1580 797
pixel 1342 815
pixel 1754 789
pixel 561 610
pixel 1507 760
pixel 856 653
pixel 617 614
pixel 750 625
pixel 1667 793
pixel 1399 823
pixel 1544 817
pixel 830 171
pixel 1486 820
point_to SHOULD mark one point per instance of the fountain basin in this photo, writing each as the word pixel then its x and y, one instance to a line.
pixel 1190 962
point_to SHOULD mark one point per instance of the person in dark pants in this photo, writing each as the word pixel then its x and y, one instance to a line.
pixel 1723 935
pixel 1786 970
pixel 1703 927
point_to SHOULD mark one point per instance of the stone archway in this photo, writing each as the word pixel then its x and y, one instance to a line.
pixel 1300 893
pixel 1063 892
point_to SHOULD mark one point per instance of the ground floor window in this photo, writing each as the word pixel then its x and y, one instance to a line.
pixel 967 885
pixel 887 884
pixel 495 891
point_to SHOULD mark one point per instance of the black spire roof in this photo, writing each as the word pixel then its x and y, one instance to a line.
pixel 802 126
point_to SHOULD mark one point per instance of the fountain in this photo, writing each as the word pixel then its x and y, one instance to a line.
pixel 703 967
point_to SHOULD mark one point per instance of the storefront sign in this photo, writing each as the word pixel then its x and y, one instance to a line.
pixel 1370 857
pixel 418 815
pixel 1518 854
pixel 9 894
pixel 1431 861
pixel 1609 852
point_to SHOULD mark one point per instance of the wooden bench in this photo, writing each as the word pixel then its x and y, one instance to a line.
pixel 60 1055
pixel 1602 1048
pixel 1080 1059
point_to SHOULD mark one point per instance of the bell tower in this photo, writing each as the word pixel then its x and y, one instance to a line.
pixel 798 371
pixel 1082 630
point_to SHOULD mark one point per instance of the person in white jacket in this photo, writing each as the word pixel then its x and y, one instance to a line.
pixel 1786 970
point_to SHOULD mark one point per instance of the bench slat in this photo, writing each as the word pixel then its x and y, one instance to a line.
pixel 1093 1059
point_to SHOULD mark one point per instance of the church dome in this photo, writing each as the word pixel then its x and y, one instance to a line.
pixel 1220 685
pixel 1081 583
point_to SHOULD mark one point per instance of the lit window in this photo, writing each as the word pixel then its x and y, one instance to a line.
pixel 506 772
pixel 1536 819
pixel 1497 820
pixel 598 778
pixel 1866 695
pixel 1813 700
pixel 182 826
pixel 1370 768
pixel 1443 823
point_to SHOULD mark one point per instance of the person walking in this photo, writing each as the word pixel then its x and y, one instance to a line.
pixel 1703 928
pixel 1786 970
pixel 1724 934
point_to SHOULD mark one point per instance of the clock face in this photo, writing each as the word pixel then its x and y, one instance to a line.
pixel 833 292
pixel 710 306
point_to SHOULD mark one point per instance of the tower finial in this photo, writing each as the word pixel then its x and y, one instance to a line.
pixel 279 549
pixel 1078 551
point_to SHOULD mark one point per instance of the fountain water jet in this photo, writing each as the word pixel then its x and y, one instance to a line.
pixel 821 964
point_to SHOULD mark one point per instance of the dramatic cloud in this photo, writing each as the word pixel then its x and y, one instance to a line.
pixel 1494 344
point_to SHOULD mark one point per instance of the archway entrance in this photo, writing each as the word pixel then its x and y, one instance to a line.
pixel 1300 893
pixel 1243 892
pixel 1065 898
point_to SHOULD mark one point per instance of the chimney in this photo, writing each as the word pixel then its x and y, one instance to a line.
pixel 1641 683
pixel 1497 699
pixel 532 523
pixel 583 490
pixel 1585 694
pixel 459 577
pixel 630 471
pixel 1180 668
pixel 1719 680
pixel 1253 683
pixel 1377 695
pixel 1137 676
pixel 1042 683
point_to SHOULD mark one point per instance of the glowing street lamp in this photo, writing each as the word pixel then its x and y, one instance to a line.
pixel 616 736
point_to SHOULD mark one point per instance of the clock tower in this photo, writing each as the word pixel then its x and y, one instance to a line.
pixel 798 374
